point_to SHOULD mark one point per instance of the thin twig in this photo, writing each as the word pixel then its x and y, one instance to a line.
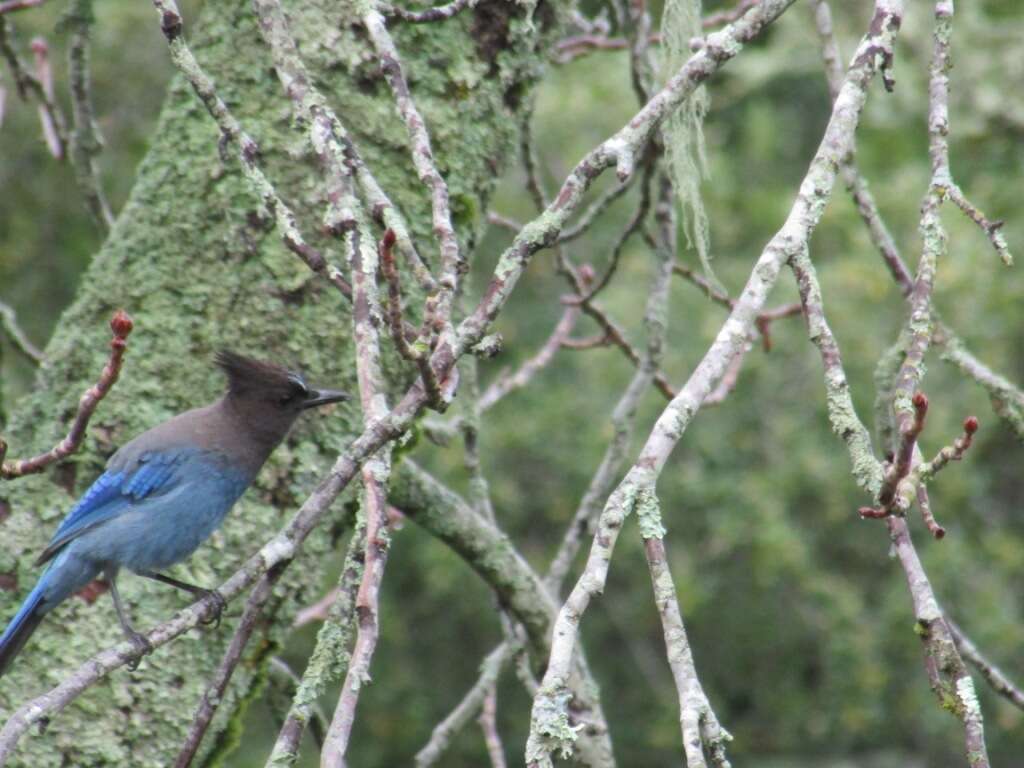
pixel 366 317
pixel 85 140
pixel 121 325
pixel 55 134
pixel 465 710
pixel 31 86
pixel 415 353
pixel 318 611
pixel 728 17
pixel 549 731
pixel 489 726
pixel 437 13
pixel 1000 683
pixel 453 263
pixel 506 383
pixel 21 342
pixel 9 6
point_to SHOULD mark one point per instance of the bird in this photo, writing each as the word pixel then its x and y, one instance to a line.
pixel 166 491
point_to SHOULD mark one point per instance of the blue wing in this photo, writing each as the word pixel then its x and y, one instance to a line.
pixel 154 472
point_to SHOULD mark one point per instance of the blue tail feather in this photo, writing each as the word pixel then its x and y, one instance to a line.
pixel 22 625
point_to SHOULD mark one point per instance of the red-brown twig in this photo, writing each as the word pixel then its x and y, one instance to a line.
pixel 18 5
pixel 453 261
pixel 420 355
pixel 764 319
pixel 907 474
pixel 121 325
pixel 375 473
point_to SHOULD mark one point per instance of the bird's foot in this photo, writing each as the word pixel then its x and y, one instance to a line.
pixel 142 646
pixel 216 608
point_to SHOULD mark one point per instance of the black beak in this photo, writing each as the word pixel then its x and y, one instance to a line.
pixel 319 397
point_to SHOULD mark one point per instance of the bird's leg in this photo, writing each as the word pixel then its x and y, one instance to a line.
pixel 140 641
pixel 219 603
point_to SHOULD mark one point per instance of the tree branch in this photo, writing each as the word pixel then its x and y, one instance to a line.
pixel 549 731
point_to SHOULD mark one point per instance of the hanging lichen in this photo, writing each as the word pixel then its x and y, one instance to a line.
pixel 683 132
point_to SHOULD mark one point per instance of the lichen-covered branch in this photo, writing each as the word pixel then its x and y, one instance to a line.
pixel 548 726
pixel 620 151
pixel 453 263
pixel 1007 399
pixel 867 470
pixel 366 318
pixel 520 591
pixel 701 730
pixel 121 325
pixel 330 658
pixel 947 674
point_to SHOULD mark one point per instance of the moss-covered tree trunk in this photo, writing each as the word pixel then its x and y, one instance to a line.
pixel 199 266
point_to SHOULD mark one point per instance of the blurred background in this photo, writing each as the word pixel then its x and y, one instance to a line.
pixel 800 621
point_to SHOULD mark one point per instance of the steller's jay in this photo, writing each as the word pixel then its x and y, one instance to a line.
pixel 166 491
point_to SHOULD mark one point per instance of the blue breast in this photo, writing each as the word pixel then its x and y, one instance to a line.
pixel 152 513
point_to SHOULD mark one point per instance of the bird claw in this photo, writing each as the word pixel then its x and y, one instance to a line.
pixel 215 610
pixel 142 646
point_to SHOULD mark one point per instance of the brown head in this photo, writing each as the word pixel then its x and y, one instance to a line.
pixel 267 397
